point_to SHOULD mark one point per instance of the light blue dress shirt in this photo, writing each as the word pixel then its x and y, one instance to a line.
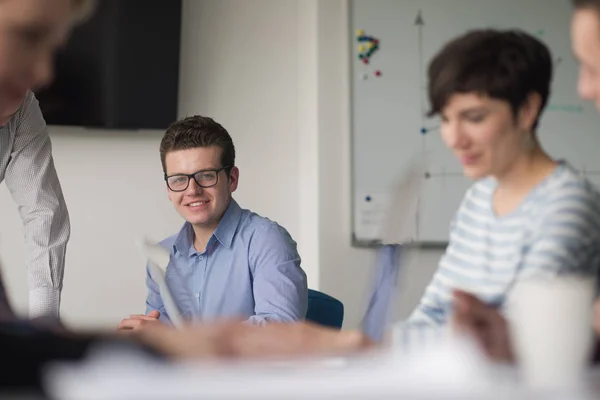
pixel 250 270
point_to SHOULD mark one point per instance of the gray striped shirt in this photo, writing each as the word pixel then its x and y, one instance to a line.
pixel 27 166
pixel 555 230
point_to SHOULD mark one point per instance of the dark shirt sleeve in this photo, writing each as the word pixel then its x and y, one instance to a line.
pixel 26 349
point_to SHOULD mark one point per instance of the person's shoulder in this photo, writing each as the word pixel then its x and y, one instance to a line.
pixel 570 199
pixel 261 236
pixel 258 225
pixel 570 188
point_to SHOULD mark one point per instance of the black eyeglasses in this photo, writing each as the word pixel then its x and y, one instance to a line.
pixel 205 179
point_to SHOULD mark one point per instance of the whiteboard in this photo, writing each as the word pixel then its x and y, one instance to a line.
pixel 389 100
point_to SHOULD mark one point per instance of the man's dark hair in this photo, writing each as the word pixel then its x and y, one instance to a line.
pixel 194 132
pixel 578 4
pixel 504 65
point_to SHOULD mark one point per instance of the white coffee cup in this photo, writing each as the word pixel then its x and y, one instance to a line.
pixel 551 329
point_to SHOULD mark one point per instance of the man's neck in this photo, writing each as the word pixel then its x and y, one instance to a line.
pixel 202 233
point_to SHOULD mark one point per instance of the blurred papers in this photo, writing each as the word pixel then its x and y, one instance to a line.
pixel 450 369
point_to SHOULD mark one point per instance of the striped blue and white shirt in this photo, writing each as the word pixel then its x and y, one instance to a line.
pixel 555 230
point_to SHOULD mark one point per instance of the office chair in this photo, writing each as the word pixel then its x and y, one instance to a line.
pixel 324 309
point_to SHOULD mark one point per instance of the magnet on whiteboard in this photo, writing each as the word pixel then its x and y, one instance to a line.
pixel 361 47
pixel 378 73
pixel 360 32
pixel 365 60
pixel 371 51
pixel 364 77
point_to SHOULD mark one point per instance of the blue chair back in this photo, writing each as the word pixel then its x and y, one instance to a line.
pixel 324 309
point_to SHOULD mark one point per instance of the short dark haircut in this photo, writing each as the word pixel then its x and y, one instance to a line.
pixel 505 65
pixel 578 4
pixel 194 132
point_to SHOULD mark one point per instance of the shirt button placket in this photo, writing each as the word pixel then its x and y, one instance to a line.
pixel 197 284
pixel 198 294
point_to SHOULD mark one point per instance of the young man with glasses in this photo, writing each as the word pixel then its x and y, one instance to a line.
pixel 226 262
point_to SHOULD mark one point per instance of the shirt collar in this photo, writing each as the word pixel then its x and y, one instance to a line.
pixel 184 241
pixel 228 224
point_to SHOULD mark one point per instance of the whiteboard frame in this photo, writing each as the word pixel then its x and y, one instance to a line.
pixel 373 244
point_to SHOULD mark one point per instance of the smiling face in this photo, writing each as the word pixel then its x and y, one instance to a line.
pixel 585 42
pixel 202 207
pixel 30 33
pixel 484 134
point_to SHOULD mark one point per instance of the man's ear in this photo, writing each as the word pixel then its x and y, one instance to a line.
pixel 168 192
pixel 234 176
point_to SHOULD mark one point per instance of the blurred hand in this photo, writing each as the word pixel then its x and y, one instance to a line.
pixel 597 316
pixel 237 339
pixel 484 323
pixel 136 322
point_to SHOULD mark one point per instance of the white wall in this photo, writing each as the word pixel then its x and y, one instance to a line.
pixel 274 73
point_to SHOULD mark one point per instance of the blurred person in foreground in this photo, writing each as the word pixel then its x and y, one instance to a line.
pixel 30 33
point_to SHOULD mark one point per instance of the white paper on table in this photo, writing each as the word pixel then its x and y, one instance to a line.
pixel 447 370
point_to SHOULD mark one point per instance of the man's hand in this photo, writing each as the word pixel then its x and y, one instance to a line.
pixel 136 322
pixel 237 339
pixel 484 324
